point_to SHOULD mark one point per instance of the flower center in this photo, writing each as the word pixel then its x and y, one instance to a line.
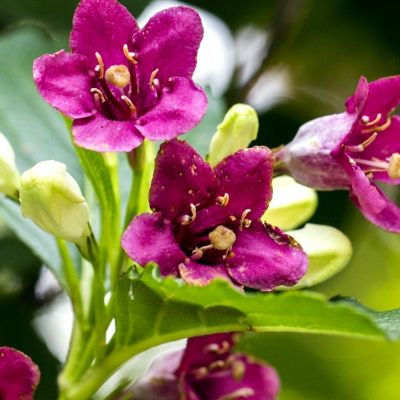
pixel 390 164
pixel 116 89
pixel 222 238
pixel 118 75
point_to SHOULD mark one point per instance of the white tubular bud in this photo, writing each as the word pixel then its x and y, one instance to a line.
pixel 9 176
pixel 52 199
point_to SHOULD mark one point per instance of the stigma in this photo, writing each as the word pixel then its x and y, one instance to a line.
pixel 118 75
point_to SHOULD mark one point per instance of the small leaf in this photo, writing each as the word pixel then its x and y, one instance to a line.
pixel 328 250
pixel 292 204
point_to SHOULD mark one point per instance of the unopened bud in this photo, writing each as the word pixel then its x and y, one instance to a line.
pixel 238 129
pixel 52 199
pixel 292 204
pixel 9 176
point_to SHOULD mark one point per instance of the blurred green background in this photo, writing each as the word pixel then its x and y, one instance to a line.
pixel 315 52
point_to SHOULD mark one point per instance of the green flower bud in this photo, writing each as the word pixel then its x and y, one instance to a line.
pixel 292 204
pixel 52 199
pixel 328 250
pixel 238 129
pixel 9 176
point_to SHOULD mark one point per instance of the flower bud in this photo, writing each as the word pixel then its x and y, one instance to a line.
pixel 328 250
pixel 9 176
pixel 292 204
pixel 238 129
pixel 52 199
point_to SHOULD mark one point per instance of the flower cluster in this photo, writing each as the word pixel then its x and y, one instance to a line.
pixel 353 149
pixel 206 370
pixel 122 84
pixel 206 221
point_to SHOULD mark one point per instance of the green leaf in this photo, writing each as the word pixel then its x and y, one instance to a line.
pixel 41 243
pixel 180 311
pixel 150 310
pixel 35 130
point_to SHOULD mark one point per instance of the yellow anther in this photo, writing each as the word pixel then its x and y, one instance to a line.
pixel 394 166
pixel 129 55
pixel 100 66
pixel 128 101
pixel 244 222
pixel 99 93
pixel 190 219
pixel 152 79
pixel 378 128
pixel 365 120
pixel 238 370
pixel 215 348
pixel 218 364
pixel 223 200
pixel 243 392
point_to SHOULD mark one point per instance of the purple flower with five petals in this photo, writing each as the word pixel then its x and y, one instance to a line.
pixel 122 84
pixel 207 370
pixel 353 149
pixel 19 375
pixel 205 222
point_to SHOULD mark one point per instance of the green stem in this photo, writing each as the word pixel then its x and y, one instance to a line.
pixel 98 294
pixel 76 348
pixel 95 378
pixel 72 280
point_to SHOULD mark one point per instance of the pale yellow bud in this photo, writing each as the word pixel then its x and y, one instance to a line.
pixel 9 176
pixel 52 199
pixel 238 129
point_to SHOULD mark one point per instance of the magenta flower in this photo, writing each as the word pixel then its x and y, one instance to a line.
pixel 19 376
pixel 207 370
pixel 353 149
pixel 122 84
pixel 205 222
